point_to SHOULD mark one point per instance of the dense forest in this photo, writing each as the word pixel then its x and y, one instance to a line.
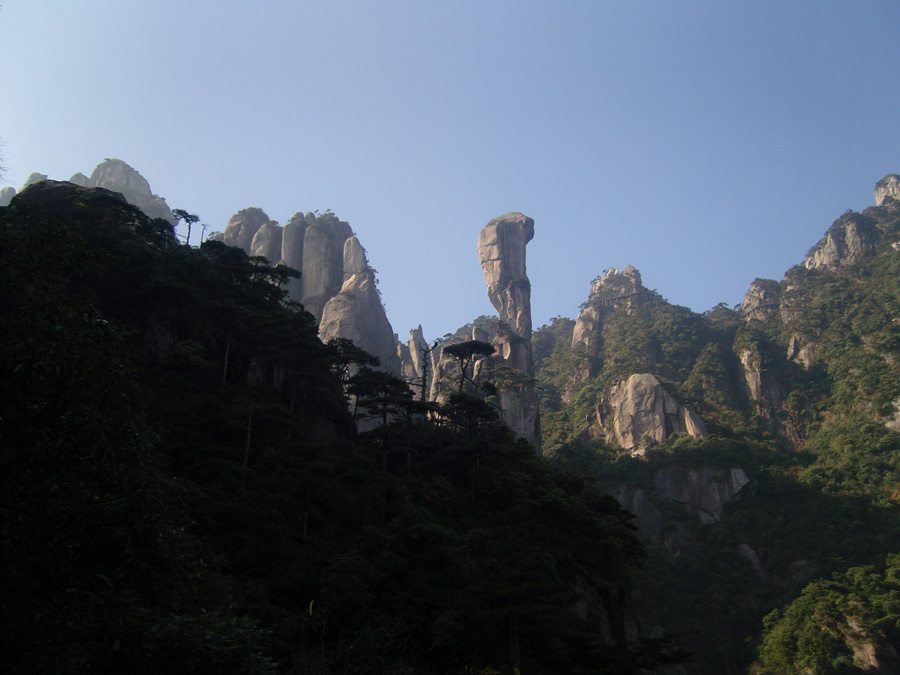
pixel 184 488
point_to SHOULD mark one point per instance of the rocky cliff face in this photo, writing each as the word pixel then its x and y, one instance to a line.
pixel 610 291
pixel 337 285
pixel 887 188
pixel 116 175
pixel 761 301
pixel 267 242
pixel 323 262
pixel 417 361
pixel 851 237
pixel 705 491
pixel 501 250
pixel 356 312
pixel 639 412
pixel 292 250
pixel 241 229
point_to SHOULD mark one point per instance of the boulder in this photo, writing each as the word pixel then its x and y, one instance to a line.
pixel 887 188
pixel 501 250
pixel 638 412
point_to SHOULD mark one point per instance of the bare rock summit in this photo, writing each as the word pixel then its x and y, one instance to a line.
pixel 887 188
pixel 116 175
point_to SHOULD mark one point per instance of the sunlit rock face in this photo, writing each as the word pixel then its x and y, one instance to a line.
pixel 501 250
pixel 610 291
pixel 887 188
pixel 242 227
pixel 639 412
pixel 292 251
pixel 337 285
pixel 267 242
pixel 851 237
pixel 761 301
pixel 323 263
pixel 116 175
pixel 356 312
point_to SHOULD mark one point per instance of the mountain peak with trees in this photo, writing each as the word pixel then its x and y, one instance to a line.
pixel 200 474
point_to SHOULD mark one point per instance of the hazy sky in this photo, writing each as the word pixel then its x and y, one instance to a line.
pixel 705 143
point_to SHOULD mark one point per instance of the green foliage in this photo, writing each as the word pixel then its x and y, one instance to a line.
pixel 823 631
pixel 465 353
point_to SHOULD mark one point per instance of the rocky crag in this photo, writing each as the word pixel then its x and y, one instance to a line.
pixel 501 250
pixel 116 176
pixel 778 406
pixel 337 285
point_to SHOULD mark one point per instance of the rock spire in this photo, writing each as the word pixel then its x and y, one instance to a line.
pixel 501 250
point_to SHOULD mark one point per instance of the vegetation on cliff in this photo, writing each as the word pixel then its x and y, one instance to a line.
pixel 803 396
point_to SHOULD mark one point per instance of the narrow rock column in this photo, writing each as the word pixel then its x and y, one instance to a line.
pixel 501 249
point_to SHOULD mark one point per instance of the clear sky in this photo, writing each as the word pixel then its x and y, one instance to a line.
pixel 705 143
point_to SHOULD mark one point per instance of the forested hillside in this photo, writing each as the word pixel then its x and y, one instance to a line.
pixel 184 489
pixel 773 525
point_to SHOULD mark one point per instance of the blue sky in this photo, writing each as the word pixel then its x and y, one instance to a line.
pixel 705 143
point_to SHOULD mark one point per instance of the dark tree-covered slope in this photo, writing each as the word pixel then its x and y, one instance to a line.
pixel 184 490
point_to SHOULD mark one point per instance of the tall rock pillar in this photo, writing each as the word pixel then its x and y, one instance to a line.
pixel 501 249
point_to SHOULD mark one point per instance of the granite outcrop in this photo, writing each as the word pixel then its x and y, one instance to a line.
pixel 501 250
pixel 337 285
pixel 638 412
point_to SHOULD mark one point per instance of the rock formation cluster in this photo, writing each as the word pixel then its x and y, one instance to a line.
pixel 337 284
pixel 116 176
